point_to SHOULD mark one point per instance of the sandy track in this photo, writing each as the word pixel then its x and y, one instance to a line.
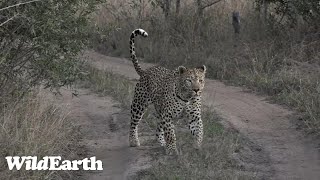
pixel 291 154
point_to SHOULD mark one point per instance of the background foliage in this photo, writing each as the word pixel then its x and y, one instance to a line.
pixel 295 9
pixel 40 42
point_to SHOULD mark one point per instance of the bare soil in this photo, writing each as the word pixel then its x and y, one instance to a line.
pixel 280 150
pixel 104 127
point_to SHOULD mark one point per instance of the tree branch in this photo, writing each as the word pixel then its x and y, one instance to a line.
pixel 19 4
pixel 8 20
pixel 210 4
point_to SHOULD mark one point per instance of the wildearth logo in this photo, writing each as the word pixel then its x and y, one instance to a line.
pixel 52 163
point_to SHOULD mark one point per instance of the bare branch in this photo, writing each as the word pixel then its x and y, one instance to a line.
pixel 210 4
pixel 8 20
pixel 19 4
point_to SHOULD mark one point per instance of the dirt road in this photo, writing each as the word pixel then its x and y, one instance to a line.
pixel 291 154
pixel 104 128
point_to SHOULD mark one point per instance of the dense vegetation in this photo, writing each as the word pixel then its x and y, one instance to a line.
pixel 40 41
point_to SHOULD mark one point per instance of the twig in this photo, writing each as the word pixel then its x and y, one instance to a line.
pixel 210 4
pixel 8 20
pixel 19 4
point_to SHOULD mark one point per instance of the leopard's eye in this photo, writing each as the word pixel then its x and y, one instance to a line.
pixel 200 80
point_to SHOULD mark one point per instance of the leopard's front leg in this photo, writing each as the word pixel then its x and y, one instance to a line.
pixel 170 136
pixel 196 128
pixel 193 111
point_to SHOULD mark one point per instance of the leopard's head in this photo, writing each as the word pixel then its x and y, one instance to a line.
pixel 190 82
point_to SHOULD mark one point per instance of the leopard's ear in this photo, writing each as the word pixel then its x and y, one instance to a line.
pixel 202 68
pixel 182 69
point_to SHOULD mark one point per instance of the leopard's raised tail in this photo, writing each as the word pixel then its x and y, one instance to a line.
pixel 132 51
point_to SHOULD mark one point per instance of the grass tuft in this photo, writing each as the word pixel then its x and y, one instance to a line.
pixel 108 83
pixel 213 161
pixel 35 126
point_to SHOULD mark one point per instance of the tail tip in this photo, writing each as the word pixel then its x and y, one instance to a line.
pixel 143 33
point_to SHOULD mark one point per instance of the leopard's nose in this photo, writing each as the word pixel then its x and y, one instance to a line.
pixel 196 90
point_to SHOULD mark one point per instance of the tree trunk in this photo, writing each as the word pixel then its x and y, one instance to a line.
pixel 264 11
pixel 236 21
pixel 265 4
pixel 177 7
pixel 236 26
pixel 199 9
pixel 166 8
pixel 200 17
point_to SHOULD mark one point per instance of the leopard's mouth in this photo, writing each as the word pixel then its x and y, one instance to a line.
pixel 191 94
pixel 194 94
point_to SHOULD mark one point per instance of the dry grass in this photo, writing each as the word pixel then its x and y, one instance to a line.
pixel 35 127
pixel 108 83
pixel 288 74
pixel 213 161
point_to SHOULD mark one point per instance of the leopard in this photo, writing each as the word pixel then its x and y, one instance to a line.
pixel 174 93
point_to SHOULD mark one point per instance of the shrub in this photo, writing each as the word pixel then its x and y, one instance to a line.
pixel 40 42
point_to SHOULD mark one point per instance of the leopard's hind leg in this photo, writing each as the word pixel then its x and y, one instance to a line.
pixel 139 104
pixel 160 134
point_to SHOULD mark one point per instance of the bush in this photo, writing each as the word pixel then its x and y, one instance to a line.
pixel 294 9
pixel 40 42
